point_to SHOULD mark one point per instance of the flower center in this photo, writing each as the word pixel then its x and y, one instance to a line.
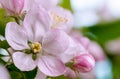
pixel 58 19
pixel 36 47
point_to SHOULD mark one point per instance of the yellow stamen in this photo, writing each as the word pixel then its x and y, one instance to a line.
pixel 36 47
pixel 58 19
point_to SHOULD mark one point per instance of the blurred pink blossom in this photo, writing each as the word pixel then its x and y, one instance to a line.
pixel 97 51
pixel 91 46
pixel 81 60
pixel 78 37
pixel 13 7
pixel 113 46
pixel 4 73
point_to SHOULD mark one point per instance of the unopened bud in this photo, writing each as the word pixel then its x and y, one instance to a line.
pixel 84 63
pixel 13 6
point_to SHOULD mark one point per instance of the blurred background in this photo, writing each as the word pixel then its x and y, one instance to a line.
pixel 99 20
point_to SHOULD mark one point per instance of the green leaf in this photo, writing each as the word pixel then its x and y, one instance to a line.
pixel 2 62
pixel 3 21
pixel 17 74
pixel 60 77
pixel 4 44
pixel 105 31
pixel 2 55
pixel 66 4
pixel 31 74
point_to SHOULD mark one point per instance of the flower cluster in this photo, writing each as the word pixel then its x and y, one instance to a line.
pixel 42 37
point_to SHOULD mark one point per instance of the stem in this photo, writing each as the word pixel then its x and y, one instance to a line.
pixel 8 62
pixel 17 20
pixel 10 55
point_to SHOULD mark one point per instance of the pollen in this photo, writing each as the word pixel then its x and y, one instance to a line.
pixel 36 47
pixel 58 19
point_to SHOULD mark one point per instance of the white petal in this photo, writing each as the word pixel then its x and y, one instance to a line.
pixel 24 62
pixel 51 66
pixel 36 23
pixel 15 36
pixel 40 75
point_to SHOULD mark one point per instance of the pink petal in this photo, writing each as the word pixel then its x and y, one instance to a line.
pixel 47 3
pixel 51 66
pixel 73 47
pixel 55 42
pixel 13 6
pixel 4 73
pixel 8 5
pixel 96 51
pixel 81 49
pixel 29 4
pixel 15 36
pixel 76 35
pixel 23 61
pixel 65 57
pixel 71 51
pixel 70 74
pixel 36 23
pixel 40 75
pixel 18 5
pixel 85 42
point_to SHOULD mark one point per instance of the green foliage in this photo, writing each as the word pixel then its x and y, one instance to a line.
pixel 66 4
pixel 2 62
pixel 105 32
pixel 3 21
pixel 60 77
pixel 4 44
pixel 17 74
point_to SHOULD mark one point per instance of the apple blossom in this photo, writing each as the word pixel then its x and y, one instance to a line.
pixel 61 18
pixel 13 7
pixel 35 44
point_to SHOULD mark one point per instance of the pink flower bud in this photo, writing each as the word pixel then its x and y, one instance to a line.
pixel 83 63
pixel 13 6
